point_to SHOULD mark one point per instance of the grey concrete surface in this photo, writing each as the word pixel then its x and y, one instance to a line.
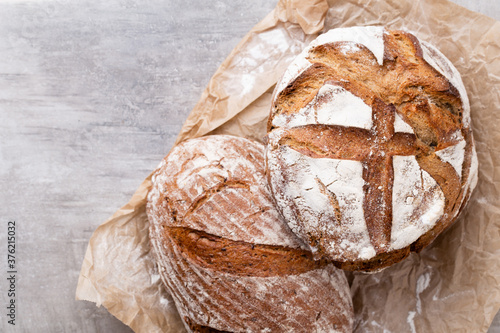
pixel 92 96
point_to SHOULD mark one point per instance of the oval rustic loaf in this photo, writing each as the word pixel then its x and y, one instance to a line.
pixel 224 252
pixel 370 153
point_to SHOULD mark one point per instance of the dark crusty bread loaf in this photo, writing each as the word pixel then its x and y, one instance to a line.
pixel 370 153
pixel 224 252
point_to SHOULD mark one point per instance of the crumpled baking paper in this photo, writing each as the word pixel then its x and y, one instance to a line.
pixel 451 286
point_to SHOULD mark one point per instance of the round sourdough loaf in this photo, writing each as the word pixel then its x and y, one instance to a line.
pixel 224 252
pixel 370 153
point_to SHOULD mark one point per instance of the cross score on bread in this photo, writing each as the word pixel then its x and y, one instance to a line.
pixel 375 148
pixel 374 145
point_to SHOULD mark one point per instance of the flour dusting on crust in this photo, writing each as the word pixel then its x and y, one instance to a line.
pixel 417 202
pixel 372 37
pixel 454 155
pixel 306 190
pixel 197 166
pixel 333 105
pixel 402 126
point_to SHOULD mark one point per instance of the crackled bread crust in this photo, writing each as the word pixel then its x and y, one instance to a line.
pixel 370 153
pixel 224 252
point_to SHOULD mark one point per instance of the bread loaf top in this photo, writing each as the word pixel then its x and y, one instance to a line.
pixel 208 190
pixel 370 149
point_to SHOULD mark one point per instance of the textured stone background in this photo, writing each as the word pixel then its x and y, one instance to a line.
pixel 92 96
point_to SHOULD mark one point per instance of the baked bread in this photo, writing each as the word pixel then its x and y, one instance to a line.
pixel 224 253
pixel 370 153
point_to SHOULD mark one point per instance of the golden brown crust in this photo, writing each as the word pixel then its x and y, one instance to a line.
pixel 405 85
pixel 240 258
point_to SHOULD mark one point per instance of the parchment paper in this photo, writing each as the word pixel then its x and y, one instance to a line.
pixel 451 286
